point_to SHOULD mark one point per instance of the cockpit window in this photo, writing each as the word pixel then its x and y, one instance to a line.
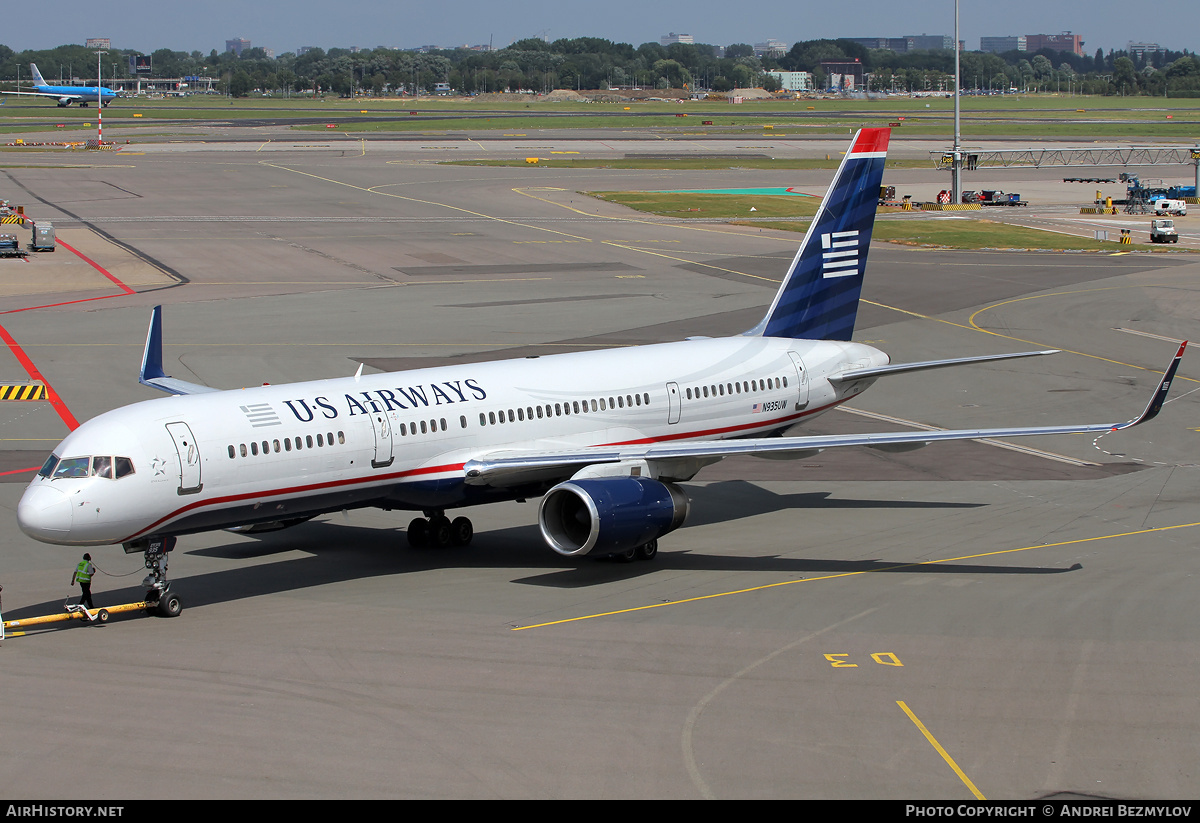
pixel 102 466
pixel 106 466
pixel 73 467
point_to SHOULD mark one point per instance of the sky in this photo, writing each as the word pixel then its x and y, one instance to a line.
pixel 285 26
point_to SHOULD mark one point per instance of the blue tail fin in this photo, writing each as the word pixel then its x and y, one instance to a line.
pixel 819 297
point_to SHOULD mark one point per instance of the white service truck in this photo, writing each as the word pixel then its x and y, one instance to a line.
pixel 1163 206
pixel 1163 231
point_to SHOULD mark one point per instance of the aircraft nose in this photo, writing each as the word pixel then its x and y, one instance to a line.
pixel 44 514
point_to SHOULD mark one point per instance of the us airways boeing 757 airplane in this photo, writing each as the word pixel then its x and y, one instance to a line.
pixel 604 437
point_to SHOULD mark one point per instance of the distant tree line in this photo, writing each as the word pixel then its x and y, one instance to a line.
pixel 589 63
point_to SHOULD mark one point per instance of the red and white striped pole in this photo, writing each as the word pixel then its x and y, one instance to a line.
pixel 99 103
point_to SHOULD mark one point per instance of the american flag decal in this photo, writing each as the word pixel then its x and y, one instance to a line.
pixel 839 254
pixel 261 414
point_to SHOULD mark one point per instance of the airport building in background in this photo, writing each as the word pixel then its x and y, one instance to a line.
pixel 793 80
pixel 1144 50
pixel 1056 42
pixel 770 48
pixel 907 43
pixel 237 46
pixel 999 45
pixel 668 39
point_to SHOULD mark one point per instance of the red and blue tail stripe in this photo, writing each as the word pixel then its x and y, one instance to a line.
pixel 819 297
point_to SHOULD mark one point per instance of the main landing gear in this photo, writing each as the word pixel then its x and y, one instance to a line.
pixel 646 551
pixel 439 531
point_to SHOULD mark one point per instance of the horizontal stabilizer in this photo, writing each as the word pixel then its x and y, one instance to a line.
pixel 851 375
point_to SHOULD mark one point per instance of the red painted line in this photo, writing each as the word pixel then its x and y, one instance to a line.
pixel 27 364
pixel 96 266
pixel 20 471
pixel 34 374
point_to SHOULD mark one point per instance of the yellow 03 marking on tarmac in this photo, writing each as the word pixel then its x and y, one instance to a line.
pixel 766 586
pixel 938 746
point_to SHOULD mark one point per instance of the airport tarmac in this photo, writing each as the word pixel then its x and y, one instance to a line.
pixel 1033 611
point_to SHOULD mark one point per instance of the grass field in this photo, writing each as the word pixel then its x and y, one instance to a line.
pixel 965 233
pixel 1035 116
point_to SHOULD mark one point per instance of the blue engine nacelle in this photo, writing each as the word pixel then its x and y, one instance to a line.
pixel 606 515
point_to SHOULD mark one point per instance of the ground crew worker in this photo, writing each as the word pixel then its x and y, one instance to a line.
pixel 83 576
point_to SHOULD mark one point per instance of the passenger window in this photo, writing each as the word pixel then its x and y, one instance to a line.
pixel 275 445
pixel 328 438
pixel 287 444
pixel 232 453
pixel 320 440
pixel 341 438
pixel 463 420
pixel 308 440
pixel 520 414
pixel 424 428
pixel 242 448
pixel 254 448
pixel 444 426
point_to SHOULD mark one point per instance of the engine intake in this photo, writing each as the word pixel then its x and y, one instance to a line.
pixel 609 514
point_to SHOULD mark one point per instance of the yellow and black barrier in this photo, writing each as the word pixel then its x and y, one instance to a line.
pixel 12 219
pixel 22 391
pixel 1098 210
pixel 951 207
pixel 1126 239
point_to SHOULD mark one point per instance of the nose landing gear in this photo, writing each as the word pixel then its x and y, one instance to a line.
pixel 158 589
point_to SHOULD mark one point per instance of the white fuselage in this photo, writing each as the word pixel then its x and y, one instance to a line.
pixel 400 440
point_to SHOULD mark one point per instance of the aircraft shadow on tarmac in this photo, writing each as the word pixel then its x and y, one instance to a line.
pixel 333 552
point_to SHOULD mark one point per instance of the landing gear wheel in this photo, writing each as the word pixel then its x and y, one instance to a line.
pixel 439 532
pixel 648 551
pixel 170 605
pixel 418 533
pixel 461 531
pixel 627 556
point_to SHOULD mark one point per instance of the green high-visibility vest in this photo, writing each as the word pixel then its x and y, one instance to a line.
pixel 83 572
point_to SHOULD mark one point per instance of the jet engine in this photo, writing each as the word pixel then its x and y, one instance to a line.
pixel 607 515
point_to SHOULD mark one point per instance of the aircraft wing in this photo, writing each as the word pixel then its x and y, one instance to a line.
pixel 515 468
pixel 152 373
pixel 59 97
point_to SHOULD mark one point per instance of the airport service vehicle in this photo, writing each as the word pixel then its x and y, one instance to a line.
pixel 66 95
pixel 9 247
pixel 603 437
pixel 1163 231
pixel 43 237
pixel 1165 206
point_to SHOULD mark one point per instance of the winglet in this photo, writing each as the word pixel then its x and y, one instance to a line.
pixel 152 373
pixel 1160 395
